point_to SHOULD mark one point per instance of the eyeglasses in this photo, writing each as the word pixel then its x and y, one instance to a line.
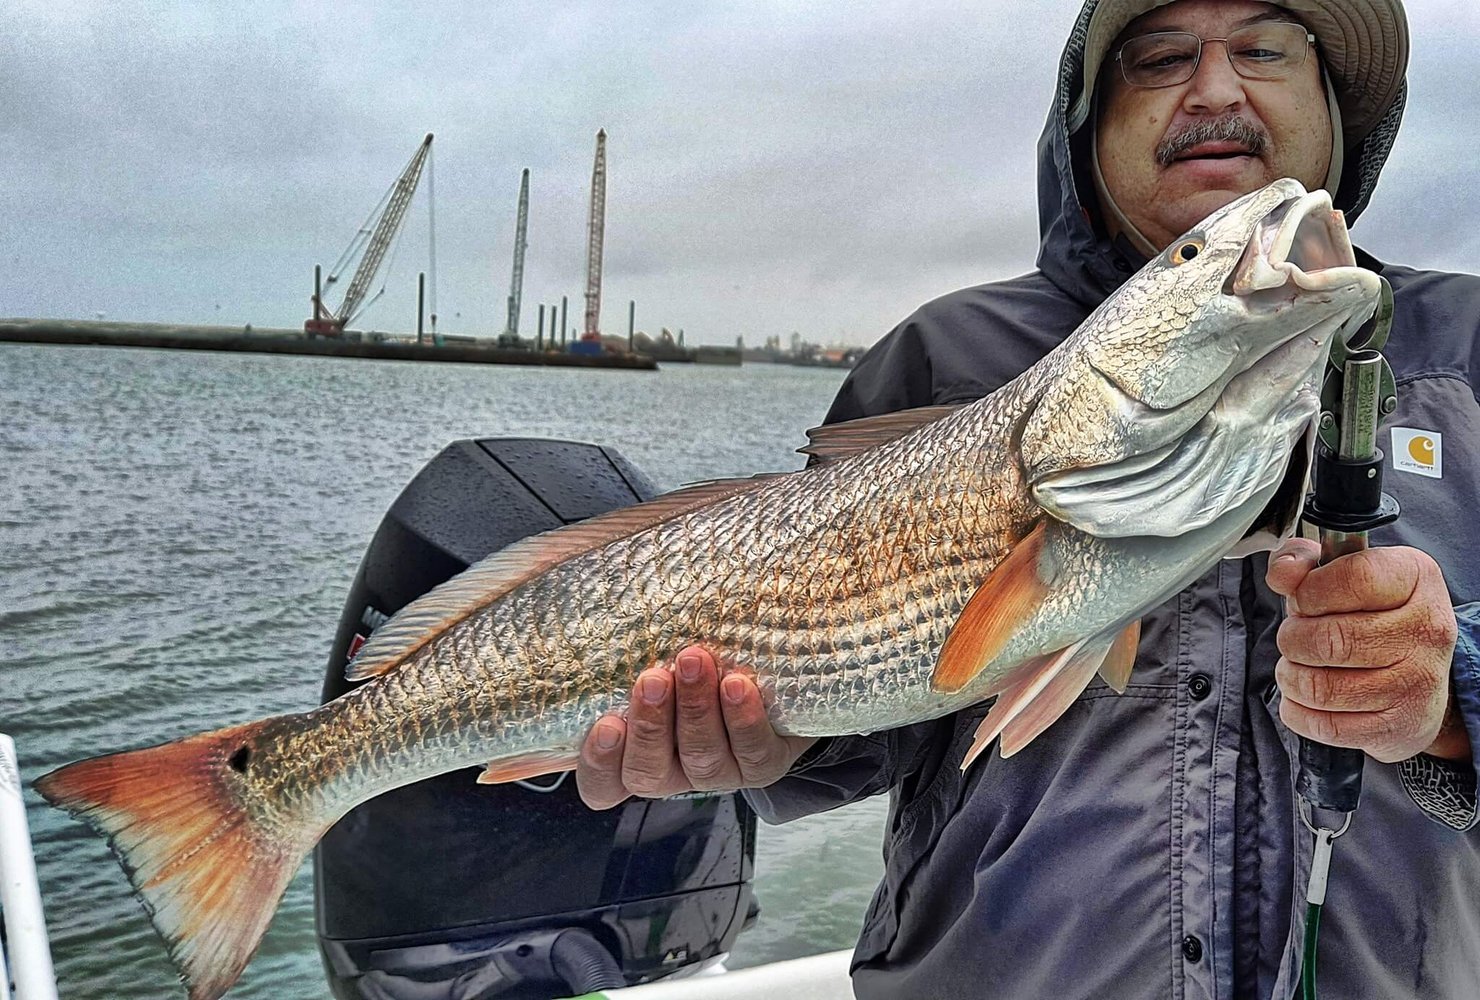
pixel 1269 50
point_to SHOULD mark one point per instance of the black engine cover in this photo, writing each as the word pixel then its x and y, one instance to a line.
pixel 447 888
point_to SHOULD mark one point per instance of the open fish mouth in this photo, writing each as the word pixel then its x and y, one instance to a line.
pixel 1300 246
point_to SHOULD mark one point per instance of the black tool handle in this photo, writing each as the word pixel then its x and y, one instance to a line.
pixel 1347 503
pixel 1330 777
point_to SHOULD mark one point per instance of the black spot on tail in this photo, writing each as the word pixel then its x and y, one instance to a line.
pixel 238 760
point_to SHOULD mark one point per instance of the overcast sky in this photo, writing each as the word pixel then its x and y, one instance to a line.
pixel 821 167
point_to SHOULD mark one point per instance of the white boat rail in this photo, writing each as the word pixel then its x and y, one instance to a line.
pixel 817 977
pixel 27 950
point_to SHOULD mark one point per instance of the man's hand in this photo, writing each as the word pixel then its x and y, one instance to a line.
pixel 686 729
pixel 1367 649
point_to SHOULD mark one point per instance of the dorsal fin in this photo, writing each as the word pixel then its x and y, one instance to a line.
pixel 831 442
pixel 485 581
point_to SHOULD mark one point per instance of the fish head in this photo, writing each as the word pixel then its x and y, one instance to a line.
pixel 1189 389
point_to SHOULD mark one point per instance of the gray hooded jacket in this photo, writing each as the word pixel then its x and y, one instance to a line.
pixel 1147 845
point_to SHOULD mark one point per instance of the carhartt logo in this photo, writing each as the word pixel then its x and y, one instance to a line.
pixel 1418 451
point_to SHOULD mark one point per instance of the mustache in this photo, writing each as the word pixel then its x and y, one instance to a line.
pixel 1228 128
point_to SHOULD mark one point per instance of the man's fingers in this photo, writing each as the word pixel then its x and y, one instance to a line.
pixel 1335 729
pixel 599 772
pixel 1290 563
pixel 1380 734
pixel 649 764
pixel 1379 579
pixel 763 756
pixel 1369 639
pixel 703 744
pixel 685 729
pixel 1347 640
pixel 1347 689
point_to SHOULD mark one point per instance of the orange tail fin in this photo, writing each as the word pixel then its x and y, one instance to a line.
pixel 209 873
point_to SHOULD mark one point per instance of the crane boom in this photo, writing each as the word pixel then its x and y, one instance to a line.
pixel 385 231
pixel 595 231
pixel 516 281
pixel 380 241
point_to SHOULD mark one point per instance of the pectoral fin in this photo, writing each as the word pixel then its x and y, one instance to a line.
pixel 1007 599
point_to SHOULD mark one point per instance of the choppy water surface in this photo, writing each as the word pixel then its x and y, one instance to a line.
pixel 177 535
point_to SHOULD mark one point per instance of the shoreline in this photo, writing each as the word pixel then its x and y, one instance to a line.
pixel 96 333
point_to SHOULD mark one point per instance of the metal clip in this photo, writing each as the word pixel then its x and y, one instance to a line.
pixel 1371 337
pixel 1307 817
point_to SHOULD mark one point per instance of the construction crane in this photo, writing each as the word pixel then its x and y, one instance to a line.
pixel 516 282
pixel 595 230
pixel 374 245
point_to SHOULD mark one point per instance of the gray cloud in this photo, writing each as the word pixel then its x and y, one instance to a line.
pixel 773 166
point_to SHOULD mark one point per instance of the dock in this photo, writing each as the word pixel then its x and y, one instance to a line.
pixel 104 333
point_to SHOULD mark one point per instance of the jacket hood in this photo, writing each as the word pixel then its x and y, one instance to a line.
pixel 1086 265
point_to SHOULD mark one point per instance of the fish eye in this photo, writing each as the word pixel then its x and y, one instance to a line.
pixel 1187 249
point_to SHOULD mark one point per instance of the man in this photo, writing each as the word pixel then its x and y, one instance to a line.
pixel 1147 844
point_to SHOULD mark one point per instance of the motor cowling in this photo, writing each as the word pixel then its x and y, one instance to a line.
pixel 450 889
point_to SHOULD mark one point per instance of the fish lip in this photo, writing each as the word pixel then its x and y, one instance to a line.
pixel 1303 243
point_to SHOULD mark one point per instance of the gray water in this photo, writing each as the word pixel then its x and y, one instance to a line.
pixel 178 531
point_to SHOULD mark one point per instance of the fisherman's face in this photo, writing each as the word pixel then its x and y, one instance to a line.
pixel 1165 200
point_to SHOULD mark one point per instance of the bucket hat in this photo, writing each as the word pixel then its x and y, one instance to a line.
pixel 1363 45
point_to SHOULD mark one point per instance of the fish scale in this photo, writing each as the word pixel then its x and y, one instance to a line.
pixel 812 613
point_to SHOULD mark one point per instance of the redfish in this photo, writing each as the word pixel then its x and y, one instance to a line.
pixel 924 561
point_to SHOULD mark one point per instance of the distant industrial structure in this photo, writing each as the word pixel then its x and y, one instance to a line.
pixel 516 281
pixel 800 351
pixel 370 248
pixel 379 233
pixel 351 344
pixel 590 342
pixel 326 332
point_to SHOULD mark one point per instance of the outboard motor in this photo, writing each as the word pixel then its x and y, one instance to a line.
pixel 450 890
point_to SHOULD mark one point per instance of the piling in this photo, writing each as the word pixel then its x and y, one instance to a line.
pixel 421 302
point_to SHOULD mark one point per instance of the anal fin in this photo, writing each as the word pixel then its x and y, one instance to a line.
pixel 528 765
pixel 1116 670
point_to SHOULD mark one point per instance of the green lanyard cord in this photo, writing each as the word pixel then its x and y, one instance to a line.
pixel 1308 964
pixel 1315 898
